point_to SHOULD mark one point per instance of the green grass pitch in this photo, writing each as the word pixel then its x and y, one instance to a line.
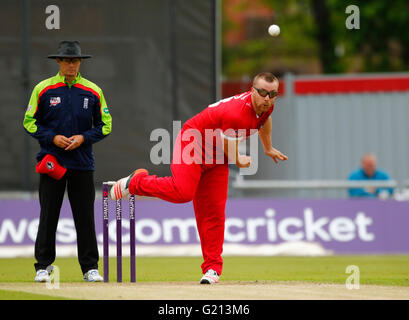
pixel 379 270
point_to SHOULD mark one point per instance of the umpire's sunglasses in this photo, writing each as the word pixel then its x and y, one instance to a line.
pixel 264 93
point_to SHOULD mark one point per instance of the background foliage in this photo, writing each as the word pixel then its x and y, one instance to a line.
pixel 314 39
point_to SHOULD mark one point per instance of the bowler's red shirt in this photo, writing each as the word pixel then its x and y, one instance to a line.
pixel 234 118
pixel 232 113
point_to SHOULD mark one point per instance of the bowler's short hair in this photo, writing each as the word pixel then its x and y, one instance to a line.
pixel 266 76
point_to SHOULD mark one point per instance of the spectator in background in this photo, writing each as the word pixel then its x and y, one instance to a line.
pixel 368 171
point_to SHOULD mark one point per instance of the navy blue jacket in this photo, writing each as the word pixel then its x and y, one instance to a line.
pixel 56 108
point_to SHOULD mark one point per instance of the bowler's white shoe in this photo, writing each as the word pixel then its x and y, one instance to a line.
pixel 121 187
pixel 210 277
pixel 93 276
pixel 42 276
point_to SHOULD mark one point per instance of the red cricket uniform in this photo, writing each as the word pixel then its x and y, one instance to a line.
pixel 204 180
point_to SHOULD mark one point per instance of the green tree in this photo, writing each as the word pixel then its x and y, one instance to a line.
pixel 314 32
pixel 293 50
pixel 382 42
pixel 324 35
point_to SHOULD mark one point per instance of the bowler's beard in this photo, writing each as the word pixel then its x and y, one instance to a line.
pixel 264 107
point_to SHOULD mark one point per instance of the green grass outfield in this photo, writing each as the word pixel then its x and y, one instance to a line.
pixel 18 295
pixel 380 270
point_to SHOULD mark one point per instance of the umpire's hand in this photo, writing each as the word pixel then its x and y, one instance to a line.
pixel 76 141
pixel 70 143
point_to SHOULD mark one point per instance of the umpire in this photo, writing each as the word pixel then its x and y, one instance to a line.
pixel 67 114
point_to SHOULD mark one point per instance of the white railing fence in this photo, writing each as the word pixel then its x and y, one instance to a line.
pixel 240 184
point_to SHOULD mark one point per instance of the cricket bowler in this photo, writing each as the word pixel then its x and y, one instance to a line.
pixel 200 170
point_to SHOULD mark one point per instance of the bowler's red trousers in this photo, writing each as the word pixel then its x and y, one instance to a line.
pixel 206 185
